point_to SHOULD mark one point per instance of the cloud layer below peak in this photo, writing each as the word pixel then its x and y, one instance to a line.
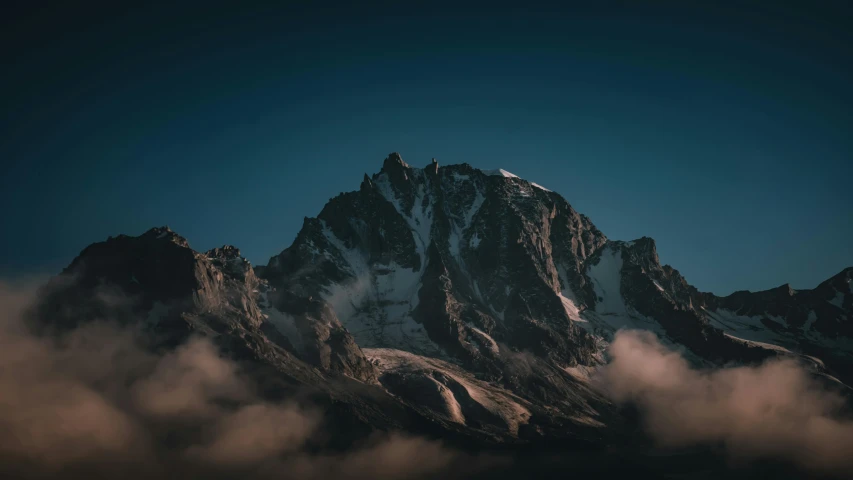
pixel 774 410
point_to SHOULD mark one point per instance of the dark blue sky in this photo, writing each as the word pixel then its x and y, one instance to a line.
pixel 724 133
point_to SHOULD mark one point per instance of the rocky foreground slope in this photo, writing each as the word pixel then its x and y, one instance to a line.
pixel 448 301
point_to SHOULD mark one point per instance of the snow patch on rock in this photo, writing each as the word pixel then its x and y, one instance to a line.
pixel 768 346
pixel 611 313
pixel 376 303
pixel 499 172
pixel 461 225
pixel 568 298
pixel 742 327
pixel 419 218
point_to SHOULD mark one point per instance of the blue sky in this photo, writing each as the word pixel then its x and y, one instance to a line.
pixel 722 133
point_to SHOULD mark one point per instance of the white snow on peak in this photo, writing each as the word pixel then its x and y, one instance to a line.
pixel 611 312
pixel 376 304
pixel 500 172
pixel 355 260
pixel 419 218
pixel 461 225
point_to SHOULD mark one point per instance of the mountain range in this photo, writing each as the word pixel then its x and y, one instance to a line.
pixel 454 303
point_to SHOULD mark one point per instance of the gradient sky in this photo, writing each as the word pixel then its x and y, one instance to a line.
pixel 724 133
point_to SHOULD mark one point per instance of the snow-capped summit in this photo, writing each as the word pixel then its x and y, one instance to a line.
pixel 500 172
pixel 467 299
pixel 439 264
pixel 466 265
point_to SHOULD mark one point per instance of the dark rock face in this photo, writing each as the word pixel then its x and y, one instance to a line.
pixel 156 276
pixel 816 322
pixel 807 322
pixel 476 253
pixel 157 285
pixel 831 303
pixel 446 299
pixel 174 291
pixel 476 266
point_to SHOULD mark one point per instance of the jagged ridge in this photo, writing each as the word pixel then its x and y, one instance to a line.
pixel 476 289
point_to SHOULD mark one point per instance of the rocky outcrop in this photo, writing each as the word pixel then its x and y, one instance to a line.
pixel 156 276
pixel 156 281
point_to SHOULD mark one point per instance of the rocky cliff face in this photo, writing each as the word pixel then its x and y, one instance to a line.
pixel 469 299
pixel 156 275
pixel 458 263
pixel 164 292
pixel 446 261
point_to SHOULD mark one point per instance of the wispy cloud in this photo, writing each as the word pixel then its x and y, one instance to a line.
pixel 775 410
pixel 94 402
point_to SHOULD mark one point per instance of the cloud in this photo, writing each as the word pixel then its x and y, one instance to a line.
pixel 255 433
pixel 188 382
pixel 775 410
pixel 94 402
pixel 396 456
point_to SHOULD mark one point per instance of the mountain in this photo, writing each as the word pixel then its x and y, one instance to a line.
pixel 448 301
pixel 463 264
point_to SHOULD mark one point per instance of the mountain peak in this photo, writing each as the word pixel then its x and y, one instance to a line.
pixel 159 231
pixel 465 296
pixel 432 168
pixel 394 160
pixel 397 170
pixel 366 183
pixel 165 233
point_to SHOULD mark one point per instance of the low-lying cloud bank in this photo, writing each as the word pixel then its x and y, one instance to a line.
pixel 775 410
pixel 95 403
